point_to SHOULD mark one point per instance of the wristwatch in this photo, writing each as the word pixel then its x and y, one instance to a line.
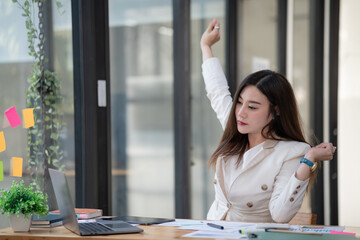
pixel 309 163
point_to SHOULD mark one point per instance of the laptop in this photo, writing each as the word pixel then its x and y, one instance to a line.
pixel 66 207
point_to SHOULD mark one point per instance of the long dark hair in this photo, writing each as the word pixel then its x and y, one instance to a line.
pixel 284 126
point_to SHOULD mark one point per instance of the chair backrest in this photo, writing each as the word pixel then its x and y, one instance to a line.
pixel 302 218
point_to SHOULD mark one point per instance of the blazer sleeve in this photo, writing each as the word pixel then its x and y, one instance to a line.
pixel 217 89
pixel 288 191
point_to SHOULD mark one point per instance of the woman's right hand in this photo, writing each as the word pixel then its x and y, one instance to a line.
pixel 209 38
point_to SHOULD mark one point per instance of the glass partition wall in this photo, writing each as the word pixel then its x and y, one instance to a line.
pixel 257 38
pixel 15 69
pixel 206 129
pixel 300 71
pixel 348 114
pixel 141 64
pixel 142 114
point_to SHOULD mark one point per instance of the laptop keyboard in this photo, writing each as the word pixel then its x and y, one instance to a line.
pixel 88 228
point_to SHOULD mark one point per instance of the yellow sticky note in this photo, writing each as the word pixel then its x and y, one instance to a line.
pixel 2 142
pixel 28 115
pixel 16 165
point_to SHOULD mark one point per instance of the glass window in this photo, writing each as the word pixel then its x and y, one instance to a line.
pixel 206 129
pixel 301 55
pixel 63 66
pixel 258 49
pixel 15 69
pixel 300 78
pixel 257 36
pixel 141 63
pixel 348 114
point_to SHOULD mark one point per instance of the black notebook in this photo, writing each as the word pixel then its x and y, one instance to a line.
pixel 51 218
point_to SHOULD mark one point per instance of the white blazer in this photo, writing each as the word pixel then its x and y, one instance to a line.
pixel 265 189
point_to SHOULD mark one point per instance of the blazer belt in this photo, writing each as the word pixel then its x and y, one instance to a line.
pixel 244 210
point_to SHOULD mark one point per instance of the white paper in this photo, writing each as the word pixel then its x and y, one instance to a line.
pixel 231 229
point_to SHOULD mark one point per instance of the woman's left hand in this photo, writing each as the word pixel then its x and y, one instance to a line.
pixel 321 152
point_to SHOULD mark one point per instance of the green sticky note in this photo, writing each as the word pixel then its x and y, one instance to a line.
pixel 1 171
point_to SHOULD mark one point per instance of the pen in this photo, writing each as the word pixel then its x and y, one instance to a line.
pixel 215 226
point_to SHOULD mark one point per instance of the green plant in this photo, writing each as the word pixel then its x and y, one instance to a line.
pixel 23 200
pixel 44 142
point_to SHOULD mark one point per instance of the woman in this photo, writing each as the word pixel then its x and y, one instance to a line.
pixel 262 164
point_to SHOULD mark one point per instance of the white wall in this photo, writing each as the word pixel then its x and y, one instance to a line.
pixel 349 114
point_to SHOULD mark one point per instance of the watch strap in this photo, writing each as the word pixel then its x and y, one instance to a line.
pixel 307 162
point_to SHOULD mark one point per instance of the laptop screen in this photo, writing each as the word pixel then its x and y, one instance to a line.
pixel 63 198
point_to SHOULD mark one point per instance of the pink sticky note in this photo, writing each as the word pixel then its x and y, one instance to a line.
pixel 13 117
pixel 5 122
pixel 344 233
pixel 16 165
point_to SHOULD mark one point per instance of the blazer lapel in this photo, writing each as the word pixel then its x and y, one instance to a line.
pixel 220 176
pixel 268 148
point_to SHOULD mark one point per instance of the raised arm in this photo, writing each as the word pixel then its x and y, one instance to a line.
pixel 209 38
pixel 215 81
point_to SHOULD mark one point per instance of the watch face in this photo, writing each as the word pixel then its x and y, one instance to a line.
pixel 313 168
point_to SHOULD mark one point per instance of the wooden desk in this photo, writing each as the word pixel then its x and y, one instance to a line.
pixel 61 233
pixel 150 232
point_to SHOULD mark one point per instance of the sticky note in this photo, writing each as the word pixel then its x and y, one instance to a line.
pixel 2 142
pixel 5 122
pixel 16 165
pixel 1 171
pixel 28 115
pixel 13 117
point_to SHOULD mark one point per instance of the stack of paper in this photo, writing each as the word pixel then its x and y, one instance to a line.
pixel 244 230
